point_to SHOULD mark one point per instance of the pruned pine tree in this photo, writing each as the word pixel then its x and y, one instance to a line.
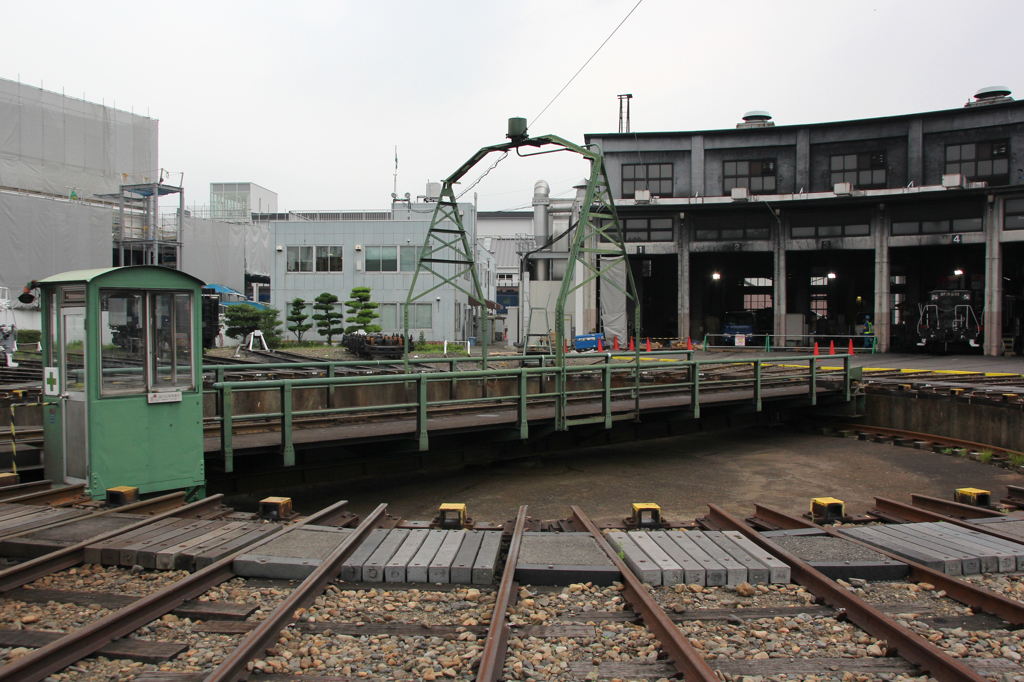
pixel 297 317
pixel 328 319
pixel 361 312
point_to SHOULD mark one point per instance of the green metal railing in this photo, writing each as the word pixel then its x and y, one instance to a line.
pixel 614 400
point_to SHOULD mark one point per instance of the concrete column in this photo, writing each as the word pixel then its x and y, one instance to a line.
pixel 779 280
pixel 882 315
pixel 697 165
pixel 683 243
pixel 803 160
pixel 915 152
pixel 993 315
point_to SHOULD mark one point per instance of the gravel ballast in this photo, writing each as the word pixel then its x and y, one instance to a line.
pixel 823 548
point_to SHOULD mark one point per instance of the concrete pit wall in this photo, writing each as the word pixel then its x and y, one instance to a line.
pixel 989 419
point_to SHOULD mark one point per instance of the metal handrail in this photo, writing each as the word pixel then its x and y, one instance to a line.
pixel 691 380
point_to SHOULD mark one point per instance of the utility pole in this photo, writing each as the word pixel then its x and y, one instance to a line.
pixel 624 113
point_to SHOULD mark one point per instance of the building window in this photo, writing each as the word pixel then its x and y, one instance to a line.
pixel 757 301
pixel 936 218
pixel 860 170
pixel 506 280
pixel 656 177
pixel 819 304
pixel 381 259
pixel 805 225
pixel 408 256
pixel 388 316
pixel 757 176
pixel 300 258
pixel 1013 218
pixel 421 316
pixel 645 230
pixel 736 227
pixel 328 258
pixel 980 161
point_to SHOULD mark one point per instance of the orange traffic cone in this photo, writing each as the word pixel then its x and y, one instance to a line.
pixel 648 345
pixel 831 347
pixel 689 346
pixel 631 343
pixel 615 340
pixel 600 346
pixel 566 341
pixel 850 350
pixel 815 347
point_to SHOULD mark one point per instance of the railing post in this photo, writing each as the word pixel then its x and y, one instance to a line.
pixel 219 375
pixel 846 376
pixel 606 384
pixel 330 386
pixel 521 423
pixel 287 449
pixel 814 380
pixel 695 397
pixel 561 400
pixel 226 447
pixel 421 411
pixel 455 381
pixel 757 384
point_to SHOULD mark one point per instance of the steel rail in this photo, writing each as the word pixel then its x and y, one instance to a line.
pixel 492 660
pixel 86 641
pixel 233 667
pixel 33 569
pixel 923 436
pixel 145 507
pixel 910 646
pixel 886 507
pixel 950 508
pixel 56 497
pixel 686 660
pixel 10 491
pixel 977 597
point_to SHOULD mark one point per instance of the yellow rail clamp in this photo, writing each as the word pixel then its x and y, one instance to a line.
pixel 9 479
pixel 646 514
pixel 122 495
pixel 276 508
pixel 452 515
pixel 827 509
pixel 975 497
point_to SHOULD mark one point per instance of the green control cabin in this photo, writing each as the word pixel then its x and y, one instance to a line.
pixel 122 385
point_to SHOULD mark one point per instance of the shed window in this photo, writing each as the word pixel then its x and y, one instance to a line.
pixel 171 339
pixel 122 343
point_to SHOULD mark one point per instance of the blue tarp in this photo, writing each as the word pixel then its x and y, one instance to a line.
pixel 255 305
pixel 221 289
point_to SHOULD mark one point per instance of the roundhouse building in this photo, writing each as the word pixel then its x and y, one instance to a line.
pixel 827 222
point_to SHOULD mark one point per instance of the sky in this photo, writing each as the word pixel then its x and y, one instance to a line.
pixel 310 99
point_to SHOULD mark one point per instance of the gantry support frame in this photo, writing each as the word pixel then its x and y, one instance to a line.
pixel 598 245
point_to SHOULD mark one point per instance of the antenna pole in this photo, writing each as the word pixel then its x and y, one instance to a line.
pixel 624 113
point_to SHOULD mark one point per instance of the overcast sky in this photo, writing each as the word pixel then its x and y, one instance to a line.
pixel 309 99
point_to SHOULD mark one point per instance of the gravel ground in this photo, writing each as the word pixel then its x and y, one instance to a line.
pixel 1009 585
pixel 325 652
pixel 61 617
pixel 546 659
pixel 204 649
pixel 824 548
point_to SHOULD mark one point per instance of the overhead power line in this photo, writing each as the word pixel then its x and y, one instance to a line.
pixel 585 64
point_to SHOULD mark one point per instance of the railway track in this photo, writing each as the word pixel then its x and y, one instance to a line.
pixel 213 625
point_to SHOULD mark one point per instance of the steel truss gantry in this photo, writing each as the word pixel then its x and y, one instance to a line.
pixel 598 246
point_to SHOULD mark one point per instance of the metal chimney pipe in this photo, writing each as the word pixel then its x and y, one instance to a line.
pixel 541 230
